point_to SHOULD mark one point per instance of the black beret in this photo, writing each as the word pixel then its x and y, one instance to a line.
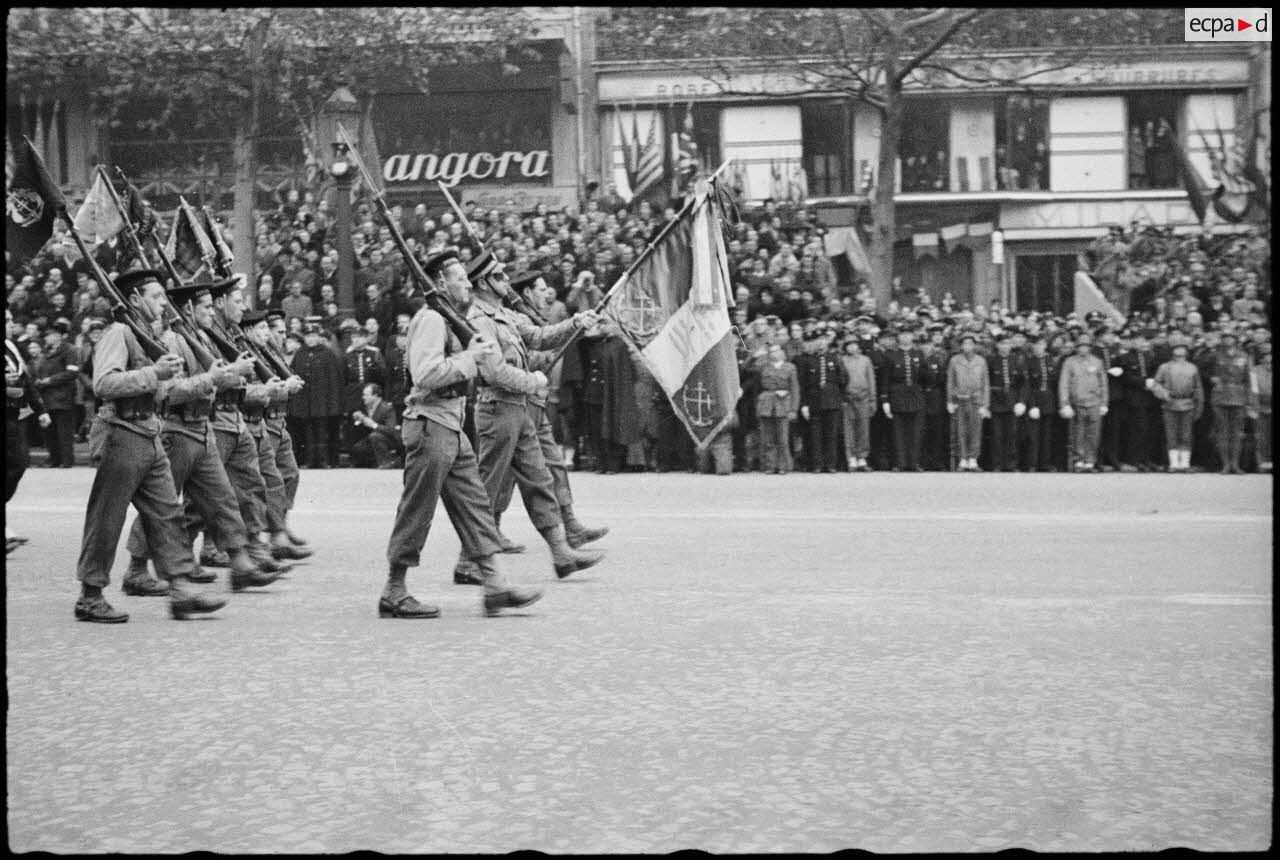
pixel 273 315
pixel 253 317
pixel 525 279
pixel 130 281
pixel 217 288
pixel 437 262
pixel 481 265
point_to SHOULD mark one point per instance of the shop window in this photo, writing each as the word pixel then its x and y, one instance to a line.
pixel 924 150
pixel 1046 282
pixel 1022 143
pixel 1151 140
pixel 439 124
pixel 825 131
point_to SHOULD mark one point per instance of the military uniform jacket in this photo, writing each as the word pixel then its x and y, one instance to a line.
pixel 360 367
pixel 1008 381
pixel 1232 379
pixel 29 396
pixel 122 371
pixel 1179 382
pixel 860 387
pixel 436 364
pixel 1083 383
pixel 1138 366
pixel 773 380
pixel 901 380
pixel 188 396
pixel 967 380
pixel 1042 383
pixel 822 382
pixel 934 380
pixel 1110 356
pixel 512 380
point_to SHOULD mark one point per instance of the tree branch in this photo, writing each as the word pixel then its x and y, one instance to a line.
pixel 925 19
pixel 934 46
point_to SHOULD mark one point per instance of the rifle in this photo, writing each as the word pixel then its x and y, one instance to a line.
pixel 178 323
pixel 512 299
pixel 435 297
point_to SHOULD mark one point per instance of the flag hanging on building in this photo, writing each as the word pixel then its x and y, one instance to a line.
pixel 622 172
pixel 674 311
pixel 797 182
pixel 188 246
pixel 684 151
pixel 1235 192
pixel 98 219
pixel 649 162
pixel 31 204
pixel 1197 194
pixel 845 240
pixel 224 260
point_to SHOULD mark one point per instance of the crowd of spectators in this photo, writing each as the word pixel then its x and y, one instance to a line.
pixel 1189 289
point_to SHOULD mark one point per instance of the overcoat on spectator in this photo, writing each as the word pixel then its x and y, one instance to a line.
pixel 321 370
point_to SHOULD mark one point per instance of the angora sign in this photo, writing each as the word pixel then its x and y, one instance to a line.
pixel 476 166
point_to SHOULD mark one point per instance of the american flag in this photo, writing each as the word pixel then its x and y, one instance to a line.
pixel 649 165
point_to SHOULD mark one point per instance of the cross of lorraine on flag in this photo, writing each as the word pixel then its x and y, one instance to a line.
pixel 674 310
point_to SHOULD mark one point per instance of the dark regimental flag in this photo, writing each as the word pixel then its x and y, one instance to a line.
pixel 140 212
pixel 98 220
pixel 32 202
pixel 188 246
pixel 673 309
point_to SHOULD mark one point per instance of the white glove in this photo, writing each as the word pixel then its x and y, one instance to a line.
pixel 1067 412
pixel 888 411
pixel 984 412
pixel 951 409
pixel 1019 409
pixel 804 412
pixel 1034 412
pixel 1104 410
pixel 541 378
pixel 1115 371
pixel 1150 383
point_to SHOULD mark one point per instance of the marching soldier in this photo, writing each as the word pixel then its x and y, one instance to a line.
pixel 439 461
pixel 506 430
pixel 1008 403
pixel 822 383
pixel 902 400
pixel 132 466
pixel 1042 394
pixel 577 534
pixel 20 393
pixel 198 474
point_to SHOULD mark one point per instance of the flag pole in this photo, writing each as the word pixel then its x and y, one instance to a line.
pixel 622 279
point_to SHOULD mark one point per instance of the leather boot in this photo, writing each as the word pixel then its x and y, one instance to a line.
pixel 138 581
pixel 576 533
pixel 293 538
pixel 505 544
pixel 284 549
pixel 246 574
pixel 211 556
pixel 500 594
pixel 184 600
pixel 565 558
pixel 261 556
pixel 465 572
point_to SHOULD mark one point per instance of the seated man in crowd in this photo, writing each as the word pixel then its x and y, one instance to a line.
pixel 376 433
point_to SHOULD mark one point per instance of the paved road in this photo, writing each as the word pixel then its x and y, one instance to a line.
pixel 807 663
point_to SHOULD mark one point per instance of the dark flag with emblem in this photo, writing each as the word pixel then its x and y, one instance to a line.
pixel 188 246
pixel 31 204
pixel 674 311
pixel 223 258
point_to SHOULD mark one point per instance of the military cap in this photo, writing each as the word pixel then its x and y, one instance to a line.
pixel 482 264
pixel 61 326
pixel 437 263
pixel 130 281
pixel 968 335
pixel 217 289
pixel 253 317
pixel 525 279
pixel 274 314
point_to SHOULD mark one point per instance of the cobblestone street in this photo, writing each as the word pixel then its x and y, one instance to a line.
pixel 930 662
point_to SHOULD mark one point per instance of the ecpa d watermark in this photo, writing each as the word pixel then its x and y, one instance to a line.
pixel 1227 24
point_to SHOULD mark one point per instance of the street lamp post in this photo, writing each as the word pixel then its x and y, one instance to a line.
pixel 340 170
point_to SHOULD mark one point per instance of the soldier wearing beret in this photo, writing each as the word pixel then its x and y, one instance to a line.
pixel 133 467
pixel 439 460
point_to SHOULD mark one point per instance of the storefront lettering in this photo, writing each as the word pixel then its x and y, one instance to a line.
pixel 457 166
pixel 1095 213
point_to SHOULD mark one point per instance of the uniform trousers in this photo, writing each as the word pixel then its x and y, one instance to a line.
pixel 131 467
pixel 1138 425
pixel 775 443
pixel 1229 421
pixel 1040 437
pixel 551 455
pixel 824 439
pixel 968 430
pixel 16 456
pixel 908 431
pixel 1110 430
pixel 201 480
pixel 1177 429
pixel 1004 442
pixel 936 444
pixel 286 460
pixel 60 437
pixel 1086 432
pixel 274 502
pixel 239 453
pixel 509 444
pixel 857 434
pixel 440 465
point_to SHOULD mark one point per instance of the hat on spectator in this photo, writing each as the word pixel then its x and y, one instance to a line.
pixel 349 323
pixel 130 281
pixel 61 326
pixel 97 324
pixel 253 317
pixel 437 262
pixel 482 264
pixel 968 335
